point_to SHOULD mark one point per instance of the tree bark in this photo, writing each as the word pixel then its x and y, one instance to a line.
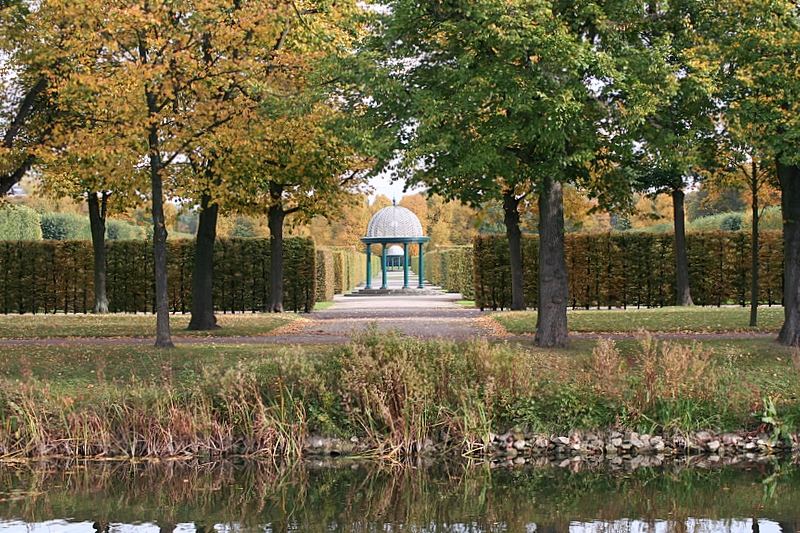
pixel 684 294
pixel 789 179
pixel 275 218
pixel 203 317
pixel 514 234
pixel 754 266
pixel 551 324
pixel 163 333
pixel 97 224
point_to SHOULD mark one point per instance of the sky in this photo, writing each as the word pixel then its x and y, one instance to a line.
pixel 392 190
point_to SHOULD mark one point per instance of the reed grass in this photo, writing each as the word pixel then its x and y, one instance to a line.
pixel 397 395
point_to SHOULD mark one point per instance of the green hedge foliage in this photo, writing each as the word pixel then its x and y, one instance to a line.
pixel 65 227
pixel 325 275
pixel 57 276
pixel 19 223
pixel 451 269
pixel 350 268
pixel 636 269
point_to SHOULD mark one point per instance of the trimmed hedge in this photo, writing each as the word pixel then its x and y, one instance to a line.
pixel 636 269
pixel 57 276
pixel 325 275
pixel 451 269
pixel 350 268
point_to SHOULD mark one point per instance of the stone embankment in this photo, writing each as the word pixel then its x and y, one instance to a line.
pixel 613 446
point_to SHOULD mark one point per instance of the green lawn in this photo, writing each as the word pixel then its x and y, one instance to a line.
pixel 126 325
pixel 321 306
pixel 75 367
pixel 666 319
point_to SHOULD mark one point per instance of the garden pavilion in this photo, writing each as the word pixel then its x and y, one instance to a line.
pixel 395 225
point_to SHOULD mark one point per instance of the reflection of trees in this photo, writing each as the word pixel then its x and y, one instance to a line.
pixel 355 496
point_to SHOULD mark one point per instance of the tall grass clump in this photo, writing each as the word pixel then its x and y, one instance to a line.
pixel 404 392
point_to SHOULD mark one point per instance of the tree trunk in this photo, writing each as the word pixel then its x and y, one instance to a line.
pixel 789 179
pixel 514 234
pixel 163 334
pixel 754 266
pixel 551 324
pixel 275 218
pixel 684 296
pixel 203 317
pixel 97 224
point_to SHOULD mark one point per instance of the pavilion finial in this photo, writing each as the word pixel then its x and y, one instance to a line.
pixel 394 201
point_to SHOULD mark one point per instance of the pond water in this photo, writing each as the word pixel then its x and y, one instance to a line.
pixel 364 497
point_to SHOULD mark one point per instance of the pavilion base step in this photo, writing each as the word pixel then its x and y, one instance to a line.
pixel 396 291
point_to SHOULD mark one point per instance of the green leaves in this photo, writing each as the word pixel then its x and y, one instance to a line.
pixel 476 97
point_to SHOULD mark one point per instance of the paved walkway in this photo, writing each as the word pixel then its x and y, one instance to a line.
pixel 425 316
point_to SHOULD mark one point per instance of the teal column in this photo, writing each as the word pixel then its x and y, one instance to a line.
pixel 385 281
pixel 421 268
pixel 369 266
pixel 405 265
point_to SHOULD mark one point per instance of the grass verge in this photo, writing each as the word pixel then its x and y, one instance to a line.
pixel 665 319
pixel 321 306
pixel 393 392
pixel 128 325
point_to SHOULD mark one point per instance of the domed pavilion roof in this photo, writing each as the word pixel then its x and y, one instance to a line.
pixel 394 250
pixel 394 221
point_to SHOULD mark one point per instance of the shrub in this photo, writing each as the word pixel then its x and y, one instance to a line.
pixel 65 227
pixel 19 223
pixel 730 221
pixel 119 230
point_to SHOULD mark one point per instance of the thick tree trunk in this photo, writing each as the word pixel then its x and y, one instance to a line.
pixel 684 296
pixel 203 317
pixel 163 333
pixel 514 234
pixel 97 225
pixel 275 218
pixel 789 178
pixel 551 324
pixel 754 247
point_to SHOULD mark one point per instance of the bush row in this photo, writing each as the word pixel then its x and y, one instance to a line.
pixel 636 269
pixel 451 269
pixel 21 223
pixel 57 276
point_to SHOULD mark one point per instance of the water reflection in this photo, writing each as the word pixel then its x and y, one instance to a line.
pixel 127 497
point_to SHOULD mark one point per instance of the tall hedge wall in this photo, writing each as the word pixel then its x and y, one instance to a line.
pixel 636 269
pixel 325 275
pixel 53 276
pixel 341 269
pixel 451 269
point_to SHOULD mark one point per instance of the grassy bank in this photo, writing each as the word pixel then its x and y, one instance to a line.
pixel 392 392
pixel 665 319
pixel 129 325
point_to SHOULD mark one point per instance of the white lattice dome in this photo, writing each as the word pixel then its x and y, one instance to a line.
pixel 394 221
pixel 394 250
